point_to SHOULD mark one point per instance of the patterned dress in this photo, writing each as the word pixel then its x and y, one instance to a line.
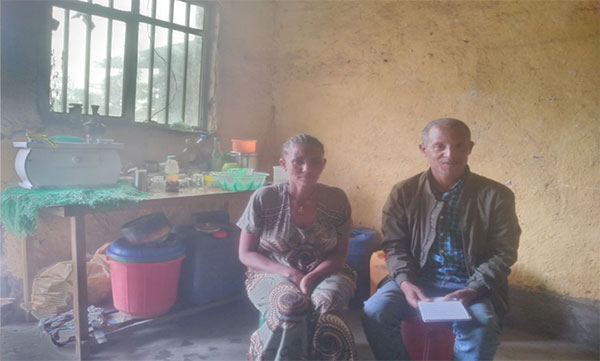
pixel 296 327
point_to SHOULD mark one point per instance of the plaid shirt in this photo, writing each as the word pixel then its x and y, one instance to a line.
pixel 445 266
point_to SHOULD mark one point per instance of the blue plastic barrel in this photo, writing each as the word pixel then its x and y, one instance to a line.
pixel 211 270
pixel 363 242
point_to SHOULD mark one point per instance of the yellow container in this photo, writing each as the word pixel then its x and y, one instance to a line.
pixel 378 269
pixel 209 180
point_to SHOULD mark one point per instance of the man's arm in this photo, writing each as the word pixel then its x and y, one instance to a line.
pixel 501 245
pixel 396 238
pixel 396 244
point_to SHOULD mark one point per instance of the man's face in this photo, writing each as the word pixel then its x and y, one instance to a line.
pixel 447 150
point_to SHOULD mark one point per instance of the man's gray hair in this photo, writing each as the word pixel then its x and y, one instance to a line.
pixel 302 139
pixel 444 122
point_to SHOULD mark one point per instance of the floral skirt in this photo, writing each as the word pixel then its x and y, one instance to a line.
pixel 296 327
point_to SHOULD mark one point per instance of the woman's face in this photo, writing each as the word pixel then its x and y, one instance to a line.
pixel 303 163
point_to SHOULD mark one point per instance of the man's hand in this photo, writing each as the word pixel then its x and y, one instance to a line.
pixel 413 293
pixel 466 296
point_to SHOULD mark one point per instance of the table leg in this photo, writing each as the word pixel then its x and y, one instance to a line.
pixel 80 294
pixel 26 254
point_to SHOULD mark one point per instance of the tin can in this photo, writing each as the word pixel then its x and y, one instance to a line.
pixel 140 180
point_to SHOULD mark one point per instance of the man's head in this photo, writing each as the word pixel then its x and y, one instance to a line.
pixel 446 143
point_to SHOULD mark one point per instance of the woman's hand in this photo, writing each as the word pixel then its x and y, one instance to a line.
pixel 250 257
pixel 295 276
pixel 307 284
pixel 334 262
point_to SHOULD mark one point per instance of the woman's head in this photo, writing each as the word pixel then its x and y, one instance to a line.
pixel 301 139
pixel 303 158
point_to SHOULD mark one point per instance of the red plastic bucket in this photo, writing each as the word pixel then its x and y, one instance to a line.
pixel 144 290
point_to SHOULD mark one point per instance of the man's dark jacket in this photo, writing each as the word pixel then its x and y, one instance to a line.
pixel 488 223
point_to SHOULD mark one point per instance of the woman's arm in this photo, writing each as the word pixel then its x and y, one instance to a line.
pixel 249 256
pixel 334 262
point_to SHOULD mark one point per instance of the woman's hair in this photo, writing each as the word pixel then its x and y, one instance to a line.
pixel 302 139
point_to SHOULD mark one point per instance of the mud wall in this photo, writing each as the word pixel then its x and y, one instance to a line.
pixel 365 77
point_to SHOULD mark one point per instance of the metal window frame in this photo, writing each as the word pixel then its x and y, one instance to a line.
pixel 186 45
pixel 132 19
pixel 109 43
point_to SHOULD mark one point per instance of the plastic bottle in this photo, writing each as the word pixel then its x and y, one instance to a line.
pixel 216 157
pixel 172 174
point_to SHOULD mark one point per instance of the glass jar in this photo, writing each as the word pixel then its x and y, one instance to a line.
pixel 157 184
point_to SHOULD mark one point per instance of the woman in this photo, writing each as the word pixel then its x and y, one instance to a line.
pixel 294 242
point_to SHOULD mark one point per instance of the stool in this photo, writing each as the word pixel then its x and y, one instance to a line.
pixel 427 341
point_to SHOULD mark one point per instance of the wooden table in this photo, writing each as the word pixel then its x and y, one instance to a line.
pixel 76 214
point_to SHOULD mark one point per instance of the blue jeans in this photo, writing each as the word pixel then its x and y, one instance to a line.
pixel 384 311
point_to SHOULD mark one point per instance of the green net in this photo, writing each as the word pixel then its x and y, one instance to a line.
pixel 20 207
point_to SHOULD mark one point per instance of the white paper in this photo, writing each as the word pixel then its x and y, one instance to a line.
pixel 440 311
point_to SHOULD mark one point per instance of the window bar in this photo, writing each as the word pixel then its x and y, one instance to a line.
pixel 88 48
pixel 203 74
pixel 65 62
pixel 151 62
pixel 130 58
pixel 169 58
pixel 185 60
pixel 108 62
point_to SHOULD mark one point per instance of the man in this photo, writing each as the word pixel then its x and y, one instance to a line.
pixel 447 233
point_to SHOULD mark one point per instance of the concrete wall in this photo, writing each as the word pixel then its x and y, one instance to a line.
pixel 365 77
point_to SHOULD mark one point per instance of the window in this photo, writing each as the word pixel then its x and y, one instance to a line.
pixel 140 61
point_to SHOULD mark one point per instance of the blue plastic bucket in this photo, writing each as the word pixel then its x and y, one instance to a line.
pixel 122 250
pixel 144 278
